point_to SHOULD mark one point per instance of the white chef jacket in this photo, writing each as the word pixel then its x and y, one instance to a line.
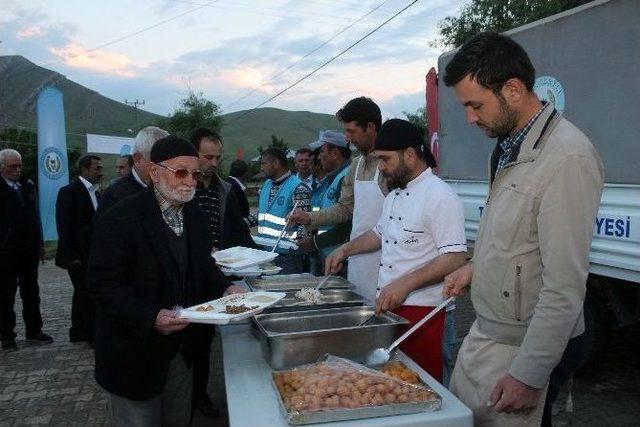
pixel 419 223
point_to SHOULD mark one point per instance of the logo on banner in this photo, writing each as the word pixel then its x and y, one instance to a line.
pixel 549 89
pixel 125 150
pixel 52 164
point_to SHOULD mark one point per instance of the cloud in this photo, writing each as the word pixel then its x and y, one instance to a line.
pixel 98 61
pixel 29 32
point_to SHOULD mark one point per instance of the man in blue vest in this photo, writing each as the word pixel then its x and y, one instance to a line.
pixel 335 158
pixel 280 192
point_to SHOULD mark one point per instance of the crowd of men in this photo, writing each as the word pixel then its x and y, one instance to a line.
pixel 383 219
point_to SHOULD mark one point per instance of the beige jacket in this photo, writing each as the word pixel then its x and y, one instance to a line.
pixel 530 258
pixel 342 211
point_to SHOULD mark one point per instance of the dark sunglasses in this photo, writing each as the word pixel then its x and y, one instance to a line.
pixel 182 173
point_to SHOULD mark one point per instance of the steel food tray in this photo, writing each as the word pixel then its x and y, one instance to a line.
pixel 294 338
pixel 331 298
pixel 344 414
pixel 295 282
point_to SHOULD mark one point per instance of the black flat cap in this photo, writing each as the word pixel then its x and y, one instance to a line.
pixel 171 146
pixel 397 134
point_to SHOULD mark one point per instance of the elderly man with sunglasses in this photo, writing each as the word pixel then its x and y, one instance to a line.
pixel 150 254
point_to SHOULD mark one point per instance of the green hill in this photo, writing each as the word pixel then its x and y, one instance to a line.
pixel 86 111
pixel 297 128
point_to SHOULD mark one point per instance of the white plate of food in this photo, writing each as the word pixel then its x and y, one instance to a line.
pixel 230 308
pixel 267 269
pixel 241 258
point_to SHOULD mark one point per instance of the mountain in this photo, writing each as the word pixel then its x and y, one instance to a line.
pixel 87 111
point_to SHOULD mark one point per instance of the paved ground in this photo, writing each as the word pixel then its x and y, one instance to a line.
pixel 53 384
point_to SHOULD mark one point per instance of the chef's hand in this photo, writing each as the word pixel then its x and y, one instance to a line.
pixel 234 289
pixel 335 261
pixel 457 283
pixel 391 296
pixel 305 245
pixel 300 217
pixel 167 321
pixel 514 397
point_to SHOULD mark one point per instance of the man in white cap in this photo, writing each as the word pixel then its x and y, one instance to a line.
pixel 421 235
pixel 335 158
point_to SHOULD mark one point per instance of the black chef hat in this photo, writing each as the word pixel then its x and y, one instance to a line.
pixel 171 146
pixel 398 134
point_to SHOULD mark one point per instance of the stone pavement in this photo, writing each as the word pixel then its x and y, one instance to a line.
pixel 53 384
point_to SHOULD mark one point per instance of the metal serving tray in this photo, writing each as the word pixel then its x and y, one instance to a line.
pixel 343 414
pixel 295 338
pixel 331 298
pixel 295 282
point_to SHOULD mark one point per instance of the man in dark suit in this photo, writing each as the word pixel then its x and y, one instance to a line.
pixel 151 252
pixel 75 208
pixel 138 179
pixel 237 172
pixel 20 249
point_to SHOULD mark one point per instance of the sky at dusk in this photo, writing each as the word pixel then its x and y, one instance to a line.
pixel 158 50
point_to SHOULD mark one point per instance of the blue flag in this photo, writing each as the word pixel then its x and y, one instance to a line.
pixel 53 166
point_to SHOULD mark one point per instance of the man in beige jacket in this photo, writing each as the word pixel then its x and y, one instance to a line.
pixel 528 273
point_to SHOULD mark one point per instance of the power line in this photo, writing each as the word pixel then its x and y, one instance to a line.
pixel 333 58
pixel 317 48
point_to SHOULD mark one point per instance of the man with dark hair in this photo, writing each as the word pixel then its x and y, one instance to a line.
pixel 75 208
pixel 362 193
pixel 150 253
pixel 21 248
pixel 237 172
pixel 124 165
pixel 530 265
pixel 335 157
pixel 302 163
pixel 227 229
pixel 138 178
pixel 421 235
pixel 280 192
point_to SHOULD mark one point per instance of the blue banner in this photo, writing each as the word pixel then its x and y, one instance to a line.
pixel 53 166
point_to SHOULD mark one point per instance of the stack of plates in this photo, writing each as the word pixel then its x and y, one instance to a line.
pixel 246 262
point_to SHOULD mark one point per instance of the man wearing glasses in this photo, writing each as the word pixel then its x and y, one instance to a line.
pixel 151 254
pixel 20 249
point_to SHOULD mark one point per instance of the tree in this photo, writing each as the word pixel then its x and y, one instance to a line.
pixel 276 143
pixel 418 119
pixel 195 111
pixel 497 15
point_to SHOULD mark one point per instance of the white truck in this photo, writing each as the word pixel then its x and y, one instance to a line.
pixel 587 61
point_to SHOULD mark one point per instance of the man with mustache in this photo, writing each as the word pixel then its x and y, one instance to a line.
pixel 530 261
pixel 228 229
pixel 150 253
pixel 421 237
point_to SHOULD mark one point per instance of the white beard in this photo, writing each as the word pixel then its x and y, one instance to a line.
pixel 179 195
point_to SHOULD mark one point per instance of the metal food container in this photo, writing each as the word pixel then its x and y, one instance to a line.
pixel 331 298
pixel 368 411
pixel 295 282
pixel 295 338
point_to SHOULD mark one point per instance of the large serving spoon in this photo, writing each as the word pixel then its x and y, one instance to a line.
pixel 323 281
pixel 382 355
pixel 286 224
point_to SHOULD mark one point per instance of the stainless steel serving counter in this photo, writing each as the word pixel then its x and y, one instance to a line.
pixel 252 401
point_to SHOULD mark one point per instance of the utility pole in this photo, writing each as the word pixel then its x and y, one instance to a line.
pixel 135 104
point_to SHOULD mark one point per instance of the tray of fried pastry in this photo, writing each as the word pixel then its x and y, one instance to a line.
pixel 338 389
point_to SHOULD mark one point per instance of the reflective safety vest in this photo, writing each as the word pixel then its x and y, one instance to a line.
pixel 325 196
pixel 272 217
